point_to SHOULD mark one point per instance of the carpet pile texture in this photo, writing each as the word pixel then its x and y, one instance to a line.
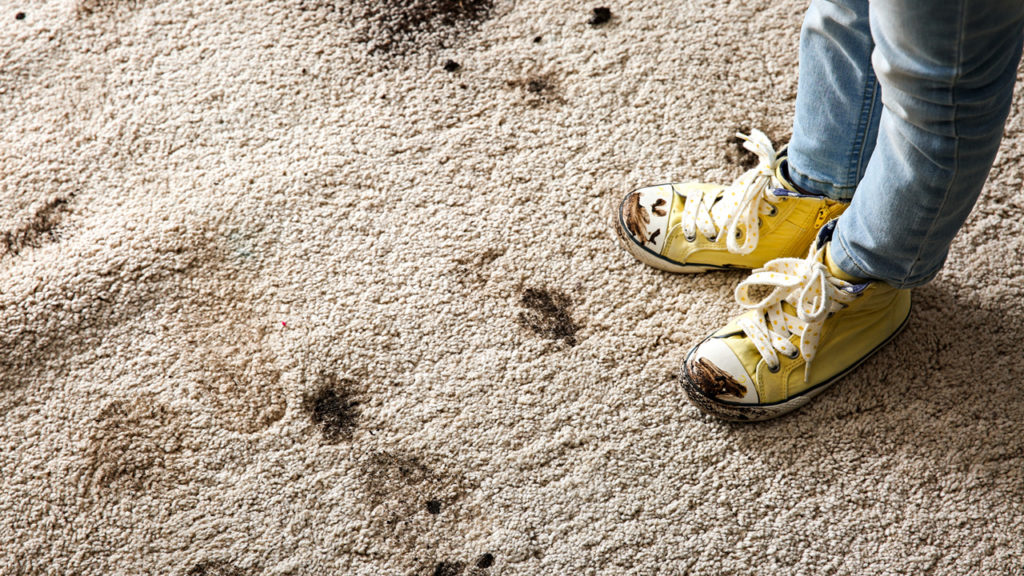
pixel 310 287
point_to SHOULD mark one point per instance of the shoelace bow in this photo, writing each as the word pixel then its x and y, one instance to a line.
pixel 812 292
pixel 718 211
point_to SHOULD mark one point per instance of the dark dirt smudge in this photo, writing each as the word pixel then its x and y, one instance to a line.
pixel 448 568
pixel 389 470
pixel 403 27
pixel 485 560
pixel 38 228
pixel 547 314
pixel 402 491
pixel 539 89
pixel 332 408
pixel 90 7
pixel 403 495
pixel 217 568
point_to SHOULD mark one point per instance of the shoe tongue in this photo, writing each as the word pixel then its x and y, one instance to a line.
pixel 836 271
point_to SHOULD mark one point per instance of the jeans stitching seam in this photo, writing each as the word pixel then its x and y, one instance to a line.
pixel 865 124
pixel 857 144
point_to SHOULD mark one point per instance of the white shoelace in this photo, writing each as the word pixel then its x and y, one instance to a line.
pixel 725 210
pixel 809 288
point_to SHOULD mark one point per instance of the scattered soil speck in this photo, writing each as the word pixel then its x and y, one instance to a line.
pixel 449 568
pixel 19 16
pixel 332 408
pixel 601 16
pixel 451 66
pixel 547 314
pixel 398 487
pixel 485 560
pixel 400 470
pixel 537 39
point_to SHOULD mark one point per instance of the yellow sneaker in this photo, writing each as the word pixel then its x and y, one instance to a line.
pixel 815 326
pixel 694 227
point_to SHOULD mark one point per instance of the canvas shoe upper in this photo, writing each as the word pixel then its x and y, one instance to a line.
pixel 810 329
pixel 693 226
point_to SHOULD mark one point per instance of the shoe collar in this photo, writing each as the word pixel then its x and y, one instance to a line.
pixel 824 237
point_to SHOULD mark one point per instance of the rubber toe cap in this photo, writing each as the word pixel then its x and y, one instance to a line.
pixel 716 372
pixel 644 215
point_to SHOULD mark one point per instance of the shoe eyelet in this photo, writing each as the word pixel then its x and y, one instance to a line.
pixel 760 222
pixel 774 370
pixel 774 212
pixel 739 234
pixel 713 238
pixel 690 238
pixel 794 355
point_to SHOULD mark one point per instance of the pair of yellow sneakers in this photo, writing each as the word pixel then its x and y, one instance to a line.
pixel 815 323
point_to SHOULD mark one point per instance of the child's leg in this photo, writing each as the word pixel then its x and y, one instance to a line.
pixel 946 71
pixel 837 103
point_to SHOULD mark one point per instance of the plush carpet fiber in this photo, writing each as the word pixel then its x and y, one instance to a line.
pixel 283 291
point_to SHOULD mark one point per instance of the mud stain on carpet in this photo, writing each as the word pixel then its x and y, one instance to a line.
pixel 395 28
pixel 333 408
pixel 133 445
pixel 413 500
pixel 39 227
pixel 216 568
pixel 548 314
pixel 239 378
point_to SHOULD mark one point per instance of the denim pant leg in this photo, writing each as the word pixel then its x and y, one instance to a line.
pixel 837 102
pixel 946 69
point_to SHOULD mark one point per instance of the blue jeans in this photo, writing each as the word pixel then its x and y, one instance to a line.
pixel 901 106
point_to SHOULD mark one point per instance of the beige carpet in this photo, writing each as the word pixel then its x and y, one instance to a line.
pixel 280 294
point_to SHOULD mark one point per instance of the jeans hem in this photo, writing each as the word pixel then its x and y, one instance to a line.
pixel 820 187
pixel 847 262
